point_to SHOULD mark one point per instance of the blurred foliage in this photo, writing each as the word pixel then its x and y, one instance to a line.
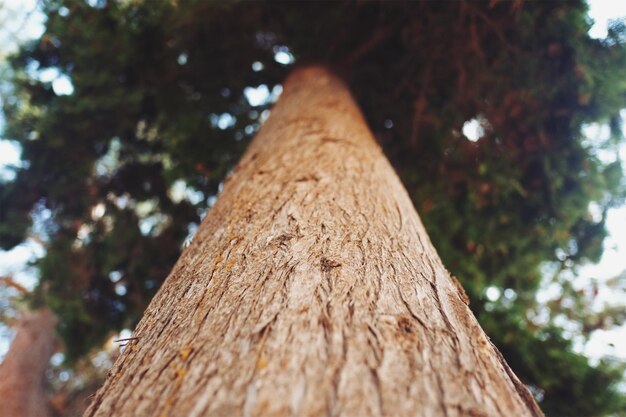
pixel 118 172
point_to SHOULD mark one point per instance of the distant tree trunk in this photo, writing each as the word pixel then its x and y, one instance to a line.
pixel 311 289
pixel 22 373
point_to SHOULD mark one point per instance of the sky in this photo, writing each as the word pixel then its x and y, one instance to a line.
pixel 20 20
pixel 613 262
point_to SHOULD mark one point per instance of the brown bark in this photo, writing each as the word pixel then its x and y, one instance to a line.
pixel 22 373
pixel 311 289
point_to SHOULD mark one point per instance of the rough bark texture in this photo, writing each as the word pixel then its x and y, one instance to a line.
pixel 311 289
pixel 22 373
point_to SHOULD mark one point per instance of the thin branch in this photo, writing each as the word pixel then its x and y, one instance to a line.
pixel 9 282
pixel 376 38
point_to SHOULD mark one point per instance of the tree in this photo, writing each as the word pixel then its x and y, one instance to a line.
pixel 311 288
pixel 22 372
pixel 117 173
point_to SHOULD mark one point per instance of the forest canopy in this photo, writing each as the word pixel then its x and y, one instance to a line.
pixel 164 97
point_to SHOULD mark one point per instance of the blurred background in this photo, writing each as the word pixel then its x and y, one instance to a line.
pixel 504 119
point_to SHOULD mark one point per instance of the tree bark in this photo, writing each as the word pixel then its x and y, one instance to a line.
pixel 311 289
pixel 22 373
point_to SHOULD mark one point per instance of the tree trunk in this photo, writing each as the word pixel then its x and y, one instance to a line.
pixel 22 373
pixel 311 289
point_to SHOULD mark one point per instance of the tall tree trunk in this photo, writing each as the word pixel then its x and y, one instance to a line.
pixel 311 289
pixel 22 373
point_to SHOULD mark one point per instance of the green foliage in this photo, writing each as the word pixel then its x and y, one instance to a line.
pixel 545 361
pixel 118 171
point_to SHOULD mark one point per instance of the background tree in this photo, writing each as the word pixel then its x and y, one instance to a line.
pixel 22 373
pixel 166 95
